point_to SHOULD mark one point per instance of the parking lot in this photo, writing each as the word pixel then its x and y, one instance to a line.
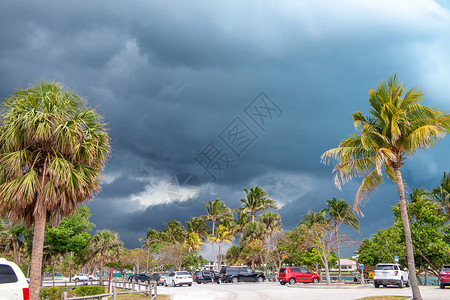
pixel 273 290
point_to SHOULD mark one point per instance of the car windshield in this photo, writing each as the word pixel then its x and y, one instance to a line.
pixel 446 268
pixel 282 270
pixel 183 273
pixel 163 274
pixel 384 267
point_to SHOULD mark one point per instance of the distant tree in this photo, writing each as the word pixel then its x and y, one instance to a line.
pixel 397 127
pixel 103 247
pixel 223 235
pixel 442 196
pixel 216 211
pixel 341 212
pixel 52 150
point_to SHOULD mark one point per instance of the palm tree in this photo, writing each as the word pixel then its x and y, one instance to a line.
pixel 105 244
pixel 398 126
pixel 256 199
pixel 216 211
pixel 151 239
pixel 197 225
pixel 312 218
pixel 193 241
pixel 240 221
pixel 442 195
pixel 341 212
pixel 223 235
pixel 272 222
pixel 52 150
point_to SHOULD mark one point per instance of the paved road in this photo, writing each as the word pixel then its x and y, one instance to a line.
pixel 275 291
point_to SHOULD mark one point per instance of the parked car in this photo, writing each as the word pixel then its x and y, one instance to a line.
pixel 390 274
pixel 205 276
pixel 141 277
pixel 178 278
pixel 296 274
pixel 13 284
pixel 238 274
pixel 444 276
pixel 159 277
pixel 82 277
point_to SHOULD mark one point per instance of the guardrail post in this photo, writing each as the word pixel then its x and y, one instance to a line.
pixel 114 293
pixel 64 296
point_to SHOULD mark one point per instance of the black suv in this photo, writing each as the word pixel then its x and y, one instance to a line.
pixel 137 277
pixel 205 276
pixel 237 274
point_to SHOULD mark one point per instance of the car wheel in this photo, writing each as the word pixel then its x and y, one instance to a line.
pixel 76 279
pixel 189 284
pixel 376 285
pixel 400 284
pixel 292 281
pixel 315 280
pixel 165 283
pixel 385 285
pixel 407 283
pixel 234 280
pixel 282 282
pixel 199 282
pixel 260 279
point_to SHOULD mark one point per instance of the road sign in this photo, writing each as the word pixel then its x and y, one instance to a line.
pixel 361 266
pixel 396 258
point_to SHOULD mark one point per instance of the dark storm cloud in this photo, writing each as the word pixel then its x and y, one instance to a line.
pixel 169 78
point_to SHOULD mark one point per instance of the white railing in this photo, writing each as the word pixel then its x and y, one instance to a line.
pixel 151 289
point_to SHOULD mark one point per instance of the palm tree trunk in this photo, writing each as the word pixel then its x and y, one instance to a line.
pixel 36 256
pixel 407 232
pixel 15 250
pixel 100 277
pixel 338 251
pixel 148 257
pixel 213 251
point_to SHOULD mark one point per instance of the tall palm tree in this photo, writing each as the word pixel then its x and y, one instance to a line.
pixel 256 199
pixel 398 126
pixel 341 212
pixel 104 245
pixel 216 211
pixel 223 235
pixel 52 150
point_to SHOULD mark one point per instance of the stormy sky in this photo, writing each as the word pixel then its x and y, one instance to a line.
pixel 206 98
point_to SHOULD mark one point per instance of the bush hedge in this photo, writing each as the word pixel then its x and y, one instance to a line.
pixel 55 292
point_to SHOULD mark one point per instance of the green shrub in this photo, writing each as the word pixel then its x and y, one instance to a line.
pixel 51 293
pixel 87 290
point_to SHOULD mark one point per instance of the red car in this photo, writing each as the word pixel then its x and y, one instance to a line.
pixel 296 274
pixel 444 276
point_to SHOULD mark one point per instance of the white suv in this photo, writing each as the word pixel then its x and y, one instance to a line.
pixel 13 284
pixel 178 278
pixel 386 274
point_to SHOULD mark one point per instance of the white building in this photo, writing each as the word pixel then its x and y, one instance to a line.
pixel 348 264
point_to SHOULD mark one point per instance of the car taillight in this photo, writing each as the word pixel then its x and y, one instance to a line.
pixel 190 277
pixel 396 272
pixel 179 277
pixel 198 276
pixel 226 274
pixel 26 294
